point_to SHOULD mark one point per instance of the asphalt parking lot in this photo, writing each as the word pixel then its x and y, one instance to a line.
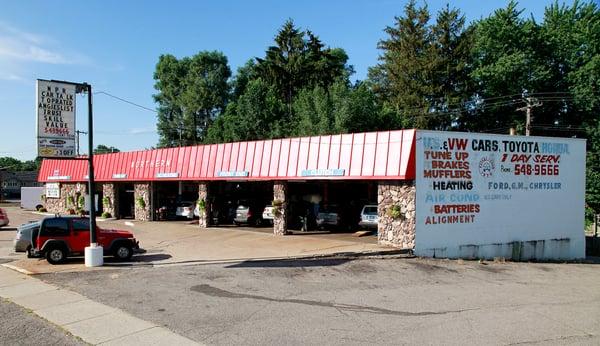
pixel 358 302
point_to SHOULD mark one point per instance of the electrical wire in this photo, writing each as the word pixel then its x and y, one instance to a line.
pixel 126 101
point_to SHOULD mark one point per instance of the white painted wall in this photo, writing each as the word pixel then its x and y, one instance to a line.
pixel 521 222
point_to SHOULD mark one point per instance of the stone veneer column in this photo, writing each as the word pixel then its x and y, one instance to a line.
pixel 142 190
pixel 61 205
pixel 398 232
pixel 109 190
pixel 203 194
pixel 280 191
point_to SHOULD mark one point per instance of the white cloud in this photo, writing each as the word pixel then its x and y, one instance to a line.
pixel 19 45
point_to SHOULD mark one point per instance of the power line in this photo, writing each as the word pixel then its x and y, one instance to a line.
pixel 126 101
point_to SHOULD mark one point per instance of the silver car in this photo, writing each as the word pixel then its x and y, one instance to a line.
pixel 185 209
pixel 23 239
pixel 368 216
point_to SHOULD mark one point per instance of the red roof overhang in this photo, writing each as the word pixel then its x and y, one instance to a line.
pixel 385 155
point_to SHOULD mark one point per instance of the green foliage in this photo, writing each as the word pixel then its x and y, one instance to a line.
pixel 201 205
pixel 106 215
pixel 592 196
pixel 395 212
pixel 103 149
pixel 423 70
pixel 106 202
pixel 81 202
pixel 70 201
pixel 299 59
pixel 192 92
pixel 140 202
pixel 258 113
pixel 13 165
pixel 278 206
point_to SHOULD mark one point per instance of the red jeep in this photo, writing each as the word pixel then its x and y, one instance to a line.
pixel 60 237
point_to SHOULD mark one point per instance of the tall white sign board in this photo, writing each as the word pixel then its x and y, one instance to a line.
pixel 55 116
pixel 485 196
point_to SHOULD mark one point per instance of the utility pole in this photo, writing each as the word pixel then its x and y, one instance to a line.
pixel 531 102
pixel 78 133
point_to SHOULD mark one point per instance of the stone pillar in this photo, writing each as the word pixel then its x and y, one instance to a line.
pixel 203 195
pixel 69 193
pixel 396 212
pixel 110 202
pixel 143 205
pixel 280 191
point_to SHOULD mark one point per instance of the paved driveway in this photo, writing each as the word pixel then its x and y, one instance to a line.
pixel 183 242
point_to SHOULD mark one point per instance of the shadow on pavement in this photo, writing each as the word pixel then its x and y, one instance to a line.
pixel 151 257
pixel 11 229
pixel 293 263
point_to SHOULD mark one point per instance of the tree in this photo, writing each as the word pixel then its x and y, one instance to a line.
pixel 402 79
pixel 15 165
pixel 299 60
pixel 193 91
pixel 451 51
pixel 507 65
pixel 257 114
pixel 104 149
pixel 423 69
pixel 314 110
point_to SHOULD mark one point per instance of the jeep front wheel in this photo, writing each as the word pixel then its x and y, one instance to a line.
pixel 123 252
pixel 56 255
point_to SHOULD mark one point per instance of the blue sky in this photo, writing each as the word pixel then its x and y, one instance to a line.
pixel 114 45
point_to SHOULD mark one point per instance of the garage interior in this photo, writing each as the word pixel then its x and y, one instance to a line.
pixel 226 196
pixel 168 195
pixel 345 198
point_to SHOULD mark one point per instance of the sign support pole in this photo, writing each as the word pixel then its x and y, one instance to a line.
pixel 94 254
pixel 92 185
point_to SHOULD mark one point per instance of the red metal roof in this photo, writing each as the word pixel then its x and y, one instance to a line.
pixel 371 155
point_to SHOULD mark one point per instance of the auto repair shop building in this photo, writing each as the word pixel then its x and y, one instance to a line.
pixel 443 194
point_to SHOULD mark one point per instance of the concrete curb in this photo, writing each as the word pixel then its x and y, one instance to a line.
pixel 17 269
pixel 84 318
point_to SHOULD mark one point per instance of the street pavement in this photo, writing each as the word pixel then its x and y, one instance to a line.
pixel 21 327
pixel 358 302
